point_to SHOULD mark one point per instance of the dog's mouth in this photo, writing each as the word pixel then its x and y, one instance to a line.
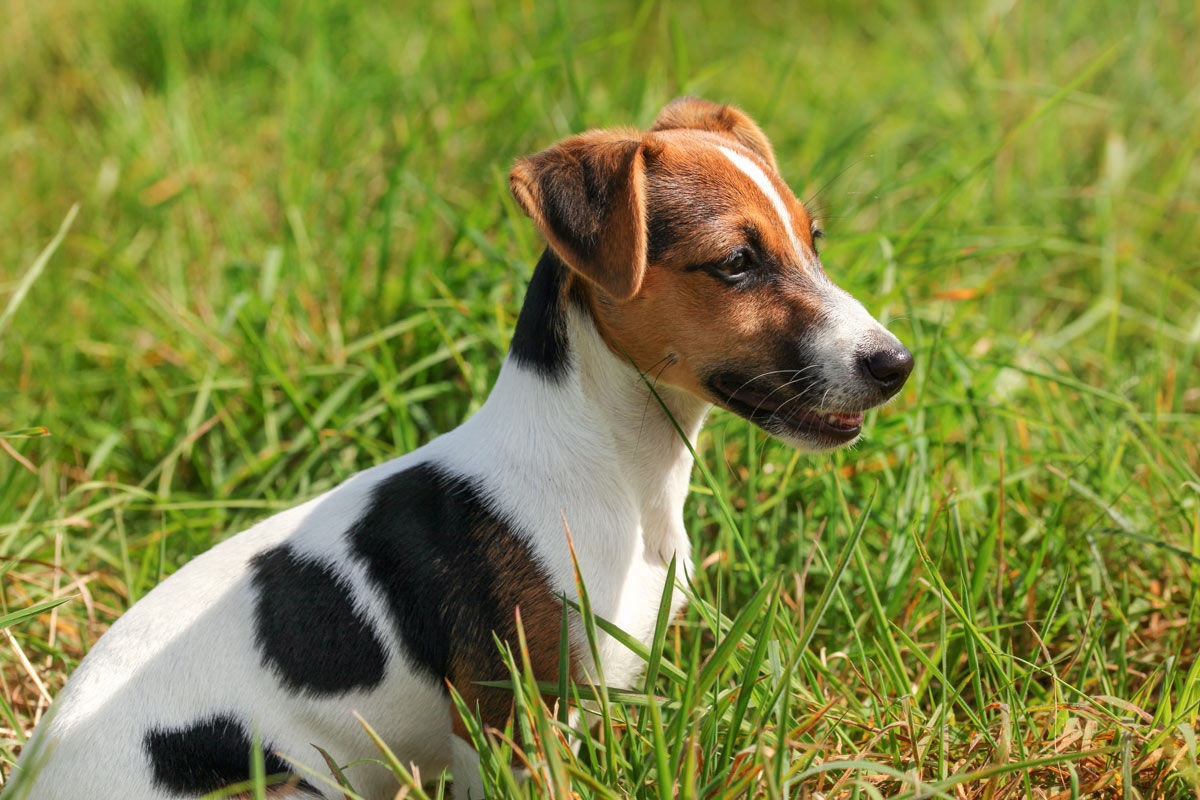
pixel 784 413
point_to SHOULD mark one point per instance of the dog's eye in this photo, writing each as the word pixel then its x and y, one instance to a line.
pixel 734 266
pixel 731 269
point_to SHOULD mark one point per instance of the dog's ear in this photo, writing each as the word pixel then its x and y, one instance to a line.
pixel 698 114
pixel 587 195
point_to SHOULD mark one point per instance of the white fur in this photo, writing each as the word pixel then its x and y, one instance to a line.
pixel 835 343
pixel 580 451
pixel 468 785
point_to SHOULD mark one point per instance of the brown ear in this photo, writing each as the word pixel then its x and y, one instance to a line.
pixel 587 196
pixel 692 112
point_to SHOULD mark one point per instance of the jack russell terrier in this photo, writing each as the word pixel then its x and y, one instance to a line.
pixel 678 252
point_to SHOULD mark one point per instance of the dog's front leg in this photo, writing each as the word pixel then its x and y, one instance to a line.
pixel 468 783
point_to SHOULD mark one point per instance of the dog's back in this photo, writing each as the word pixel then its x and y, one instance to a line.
pixel 168 702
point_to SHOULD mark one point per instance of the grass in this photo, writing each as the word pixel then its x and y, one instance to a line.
pixel 295 256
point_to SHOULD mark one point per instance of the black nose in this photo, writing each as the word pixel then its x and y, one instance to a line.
pixel 888 367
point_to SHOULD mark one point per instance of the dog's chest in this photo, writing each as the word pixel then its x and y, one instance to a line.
pixel 624 578
pixel 636 611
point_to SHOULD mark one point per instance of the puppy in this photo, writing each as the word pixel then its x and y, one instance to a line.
pixel 678 257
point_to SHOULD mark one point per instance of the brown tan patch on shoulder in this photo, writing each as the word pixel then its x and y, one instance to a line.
pixel 454 570
pixel 521 589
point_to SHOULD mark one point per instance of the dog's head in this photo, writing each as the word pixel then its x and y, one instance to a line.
pixel 699 264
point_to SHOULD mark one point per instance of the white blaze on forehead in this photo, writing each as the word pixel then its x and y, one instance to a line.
pixel 756 174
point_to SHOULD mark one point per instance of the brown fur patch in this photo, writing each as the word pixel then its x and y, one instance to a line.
pixel 522 586
pixel 698 114
pixel 702 209
pixel 644 217
pixel 586 194
pixel 637 215
pixel 463 573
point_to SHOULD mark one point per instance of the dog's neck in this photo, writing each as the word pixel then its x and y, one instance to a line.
pixel 566 407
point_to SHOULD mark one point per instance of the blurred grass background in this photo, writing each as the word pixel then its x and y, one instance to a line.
pixel 295 256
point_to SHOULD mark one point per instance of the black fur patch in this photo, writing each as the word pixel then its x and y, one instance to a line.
pixel 307 628
pixel 206 756
pixel 540 339
pixel 450 568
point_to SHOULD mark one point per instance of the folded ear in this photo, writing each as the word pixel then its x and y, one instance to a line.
pixel 692 112
pixel 587 196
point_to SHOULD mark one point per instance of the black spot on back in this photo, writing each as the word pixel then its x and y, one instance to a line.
pixel 540 339
pixel 452 571
pixel 307 628
pixel 206 756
